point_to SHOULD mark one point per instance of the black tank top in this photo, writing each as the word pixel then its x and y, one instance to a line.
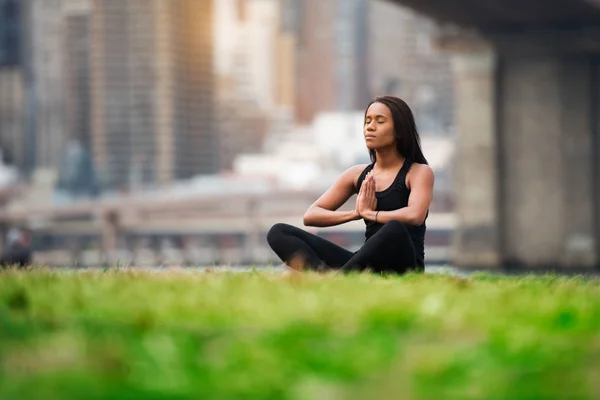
pixel 393 198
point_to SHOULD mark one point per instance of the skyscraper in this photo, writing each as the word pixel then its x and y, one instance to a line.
pixel 77 71
pixel 43 96
pixel 195 133
pixel 11 116
pixel 351 50
pixel 286 55
pixel 10 33
pixel 332 56
pixel 76 173
pixel 403 63
pixel 43 80
pixel 11 84
pixel 255 81
pixel 152 90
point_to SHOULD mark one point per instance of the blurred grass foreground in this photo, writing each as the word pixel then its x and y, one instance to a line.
pixel 180 335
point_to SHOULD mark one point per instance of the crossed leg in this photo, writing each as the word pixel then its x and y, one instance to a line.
pixel 389 250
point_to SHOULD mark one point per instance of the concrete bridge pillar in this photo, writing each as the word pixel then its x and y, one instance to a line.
pixel 528 158
pixel 546 151
pixel 476 241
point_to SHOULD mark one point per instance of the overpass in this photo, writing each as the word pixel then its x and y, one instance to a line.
pixel 207 228
pixel 527 76
pixel 489 16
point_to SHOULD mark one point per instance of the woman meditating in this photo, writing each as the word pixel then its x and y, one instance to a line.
pixel 394 195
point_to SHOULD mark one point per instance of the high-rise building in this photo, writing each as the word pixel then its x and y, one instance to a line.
pixel 255 75
pixel 77 71
pixel 152 91
pixel 43 97
pixel 11 83
pixel 48 69
pixel 286 54
pixel 349 51
pixel 10 33
pixel 248 40
pixel 332 56
pixel 76 174
pixel 403 63
pixel 43 83
pixel 195 134
pixel 12 139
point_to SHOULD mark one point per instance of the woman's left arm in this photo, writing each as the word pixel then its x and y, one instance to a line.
pixel 421 193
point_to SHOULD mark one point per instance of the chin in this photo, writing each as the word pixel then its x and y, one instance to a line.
pixel 374 147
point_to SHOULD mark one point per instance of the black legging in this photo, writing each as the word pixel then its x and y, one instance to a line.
pixel 390 249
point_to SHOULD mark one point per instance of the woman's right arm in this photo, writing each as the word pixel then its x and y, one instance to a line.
pixel 323 212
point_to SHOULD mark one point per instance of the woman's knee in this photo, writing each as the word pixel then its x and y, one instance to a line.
pixel 395 227
pixel 276 231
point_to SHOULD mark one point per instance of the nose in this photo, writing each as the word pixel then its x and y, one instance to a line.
pixel 370 126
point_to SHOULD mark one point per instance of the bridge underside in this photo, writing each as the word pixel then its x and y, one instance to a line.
pixel 509 15
pixel 527 79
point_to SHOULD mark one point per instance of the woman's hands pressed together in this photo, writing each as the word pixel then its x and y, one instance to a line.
pixel 366 202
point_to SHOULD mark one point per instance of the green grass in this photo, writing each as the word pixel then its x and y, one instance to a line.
pixel 136 335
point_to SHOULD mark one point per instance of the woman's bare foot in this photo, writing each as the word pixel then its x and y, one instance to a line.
pixel 297 262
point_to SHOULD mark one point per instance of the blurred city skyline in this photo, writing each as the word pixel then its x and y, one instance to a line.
pixel 117 96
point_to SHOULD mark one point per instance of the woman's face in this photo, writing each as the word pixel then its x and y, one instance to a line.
pixel 379 127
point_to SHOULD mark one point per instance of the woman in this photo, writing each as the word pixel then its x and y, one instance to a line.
pixel 394 195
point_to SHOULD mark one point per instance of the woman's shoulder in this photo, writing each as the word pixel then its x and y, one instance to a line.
pixel 357 170
pixel 421 172
pixel 353 173
pixel 419 168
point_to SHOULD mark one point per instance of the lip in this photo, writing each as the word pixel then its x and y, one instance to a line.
pixel 370 137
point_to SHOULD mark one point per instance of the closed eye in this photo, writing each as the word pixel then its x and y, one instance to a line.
pixel 379 121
